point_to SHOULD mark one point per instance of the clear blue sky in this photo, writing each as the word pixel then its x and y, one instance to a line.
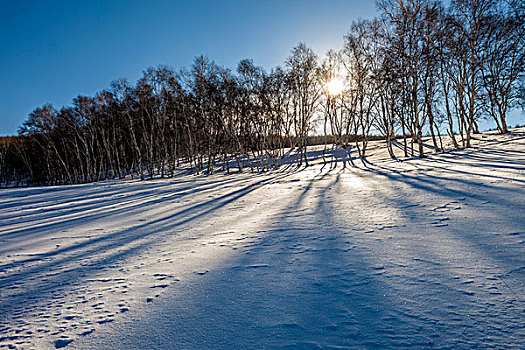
pixel 51 51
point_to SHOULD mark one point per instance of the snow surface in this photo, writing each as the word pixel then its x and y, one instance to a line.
pixel 381 254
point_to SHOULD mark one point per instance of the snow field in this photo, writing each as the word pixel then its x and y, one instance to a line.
pixel 387 254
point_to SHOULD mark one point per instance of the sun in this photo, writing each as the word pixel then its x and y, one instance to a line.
pixel 335 87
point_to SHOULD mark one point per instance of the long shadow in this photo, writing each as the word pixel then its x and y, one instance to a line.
pixel 29 234
pixel 482 195
pixel 448 277
pixel 305 281
pixel 121 239
pixel 430 183
pixel 96 190
pixel 311 278
pixel 221 201
pixel 475 149
pixel 300 284
pixel 501 231
pixel 115 207
pixel 487 161
pixel 446 166
pixel 100 198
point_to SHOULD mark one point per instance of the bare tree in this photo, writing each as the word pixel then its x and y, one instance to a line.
pixel 503 59
pixel 360 60
pixel 305 93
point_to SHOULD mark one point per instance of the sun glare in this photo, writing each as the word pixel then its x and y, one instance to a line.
pixel 335 87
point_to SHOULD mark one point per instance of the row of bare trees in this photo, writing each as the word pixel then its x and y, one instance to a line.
pixel 420 69
pixel 203 116
pixel 417 69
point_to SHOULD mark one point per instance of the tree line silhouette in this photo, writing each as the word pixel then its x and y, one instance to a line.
pixel 418 68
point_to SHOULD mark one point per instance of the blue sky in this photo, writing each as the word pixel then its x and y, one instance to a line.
pixel 52 51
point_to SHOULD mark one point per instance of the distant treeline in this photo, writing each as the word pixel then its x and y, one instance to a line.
pixel 417 68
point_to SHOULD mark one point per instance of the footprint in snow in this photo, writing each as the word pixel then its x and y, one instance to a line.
pixel 469 293
pixel 83 334
pixel 161 276
pixel 106 320
pixel 254 266
pixel 201 272
pixel 61 343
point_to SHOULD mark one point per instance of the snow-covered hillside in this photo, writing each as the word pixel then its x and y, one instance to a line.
pixel 383 254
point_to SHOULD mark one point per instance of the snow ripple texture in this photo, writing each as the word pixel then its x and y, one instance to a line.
pixel 381 254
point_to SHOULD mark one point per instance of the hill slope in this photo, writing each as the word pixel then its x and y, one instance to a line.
pixel 410 254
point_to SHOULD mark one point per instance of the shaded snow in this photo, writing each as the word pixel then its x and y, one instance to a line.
pixel 414 254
